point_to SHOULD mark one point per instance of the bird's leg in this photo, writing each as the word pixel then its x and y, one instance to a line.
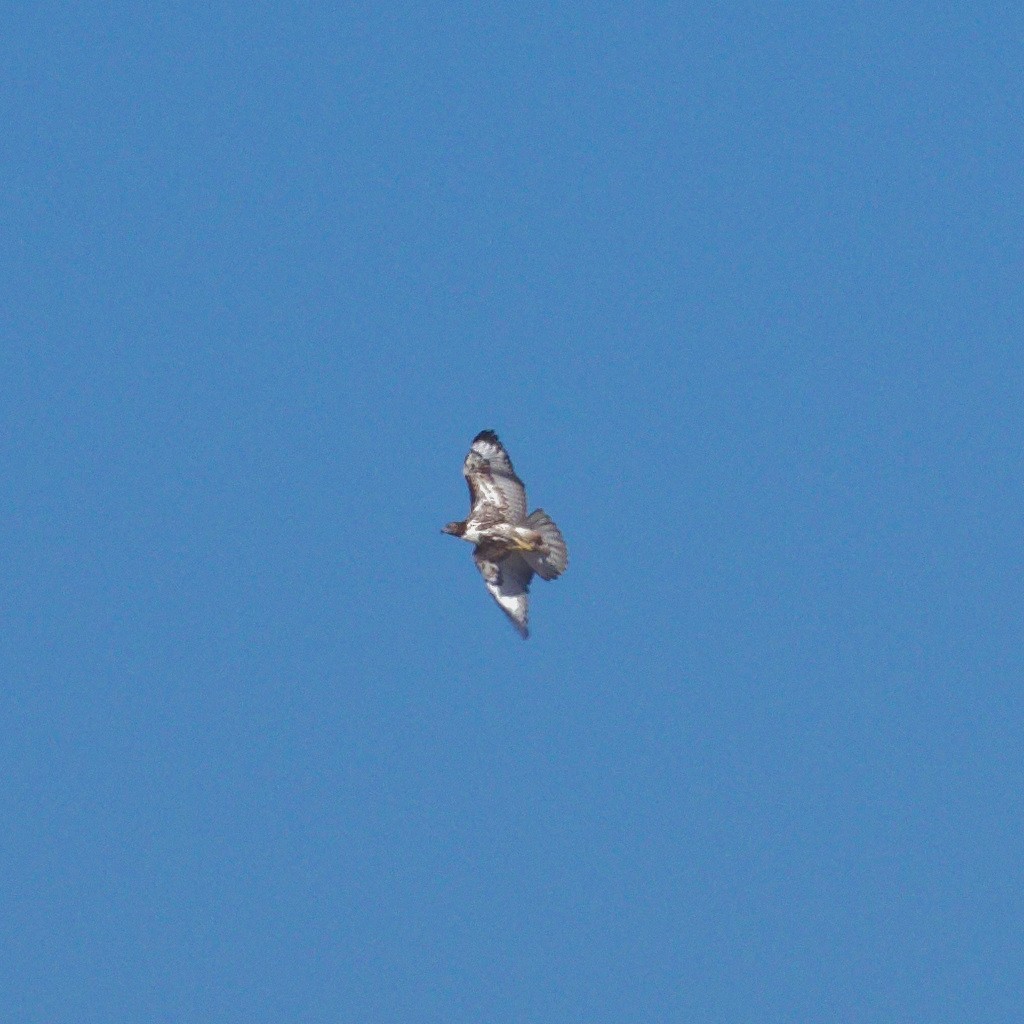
pixel 532 542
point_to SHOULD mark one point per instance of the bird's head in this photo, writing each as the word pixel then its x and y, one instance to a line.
pixel 455 529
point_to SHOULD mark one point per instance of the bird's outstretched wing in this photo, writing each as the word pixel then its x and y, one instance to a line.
pixel 492 480
pixel 508 580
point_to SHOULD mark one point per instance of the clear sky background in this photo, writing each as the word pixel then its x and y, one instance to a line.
pixel 740 287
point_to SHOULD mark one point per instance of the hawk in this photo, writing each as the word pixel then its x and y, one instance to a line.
pixel 510 545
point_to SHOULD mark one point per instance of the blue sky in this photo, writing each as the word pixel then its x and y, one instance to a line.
pixel 739 287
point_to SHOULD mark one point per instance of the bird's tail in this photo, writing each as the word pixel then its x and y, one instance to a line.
pixel 551 562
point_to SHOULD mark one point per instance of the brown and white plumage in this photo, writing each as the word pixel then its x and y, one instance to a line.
pixel 510 546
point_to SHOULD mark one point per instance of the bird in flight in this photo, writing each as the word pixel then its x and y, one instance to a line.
pixel 510 546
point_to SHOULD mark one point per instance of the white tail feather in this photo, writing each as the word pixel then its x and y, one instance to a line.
pixel 551 563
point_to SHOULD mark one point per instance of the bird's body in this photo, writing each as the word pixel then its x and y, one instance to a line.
pixel 509 545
